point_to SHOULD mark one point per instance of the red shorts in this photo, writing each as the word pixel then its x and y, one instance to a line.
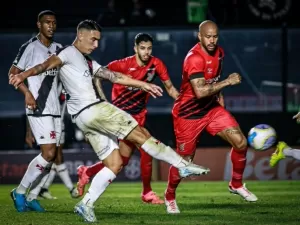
pixel 187 131
pixel 141 119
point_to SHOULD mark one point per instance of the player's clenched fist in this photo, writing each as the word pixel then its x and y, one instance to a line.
pixel 234 78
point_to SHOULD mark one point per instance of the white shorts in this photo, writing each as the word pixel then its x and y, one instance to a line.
pixel 45 129
pixel 103 124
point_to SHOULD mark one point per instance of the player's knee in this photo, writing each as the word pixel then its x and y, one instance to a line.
pixel 138 136
pixel 49 152
pixel 240 143
pixel 114 162
pixel 116 166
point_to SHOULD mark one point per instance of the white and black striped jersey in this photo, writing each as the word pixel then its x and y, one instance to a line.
pixel 44 86
pixel 76 74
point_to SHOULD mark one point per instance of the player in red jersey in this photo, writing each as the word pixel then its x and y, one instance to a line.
pixel 200 106
pixel 142 66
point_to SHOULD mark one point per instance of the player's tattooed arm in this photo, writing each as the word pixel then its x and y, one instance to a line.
pixel 123 79
pixel 119 78
pixel 202 90
pixel 50 63
pixel 105 73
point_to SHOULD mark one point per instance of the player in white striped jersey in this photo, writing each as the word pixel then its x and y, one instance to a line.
pixel 58 167
pixel 42 109
pixel 101 122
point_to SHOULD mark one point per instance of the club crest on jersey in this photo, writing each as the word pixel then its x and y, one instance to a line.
pixel 150 74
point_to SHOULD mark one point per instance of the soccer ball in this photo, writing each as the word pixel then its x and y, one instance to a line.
pixel 261 137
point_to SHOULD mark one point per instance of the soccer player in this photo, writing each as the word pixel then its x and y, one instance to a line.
pixel 58 167
pixel 42 109
pixel 141 66
pixel 101 122
pixel 200 107
pixel 283 150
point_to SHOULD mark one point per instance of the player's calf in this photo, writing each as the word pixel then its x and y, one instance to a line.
pixel 158 150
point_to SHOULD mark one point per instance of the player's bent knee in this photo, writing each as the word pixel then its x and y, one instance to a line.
pixel 240 143
pixel 137 136
pixel 114 162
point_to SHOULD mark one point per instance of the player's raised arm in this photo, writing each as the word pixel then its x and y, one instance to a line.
pixel 123 79
pixel 52 62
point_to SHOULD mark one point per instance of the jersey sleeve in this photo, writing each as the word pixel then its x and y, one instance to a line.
pixel 64 54
pixel 162 71
pixel 96 66
pixel 194 66
pixel 117 66
pixel 23 57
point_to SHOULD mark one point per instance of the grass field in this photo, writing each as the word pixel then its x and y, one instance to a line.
pixel 207 203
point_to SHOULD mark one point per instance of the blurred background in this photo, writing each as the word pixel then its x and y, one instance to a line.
pixel 260 39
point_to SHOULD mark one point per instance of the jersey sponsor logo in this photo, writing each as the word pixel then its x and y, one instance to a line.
pixel 212 80
pixel 132 69
pixel 133 88
pixel 87 73
pixel 52 72
pixel 209 70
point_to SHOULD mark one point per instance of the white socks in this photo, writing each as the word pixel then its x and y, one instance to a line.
pixel 99 184
pixel 158 150
pixel 35 168
pixel 51 177
pixel 63 173
pixel 295 153
pixel 33 194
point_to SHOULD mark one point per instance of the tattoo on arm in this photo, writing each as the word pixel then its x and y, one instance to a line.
pixel 39 69
pixel 203 90
pixel 210 89
pixel 108 74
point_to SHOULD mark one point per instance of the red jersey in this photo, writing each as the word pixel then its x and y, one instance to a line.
pixel 134 100
pixel 197 62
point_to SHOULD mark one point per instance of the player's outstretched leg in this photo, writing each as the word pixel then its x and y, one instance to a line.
pixel 283 150
pixel 160 151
